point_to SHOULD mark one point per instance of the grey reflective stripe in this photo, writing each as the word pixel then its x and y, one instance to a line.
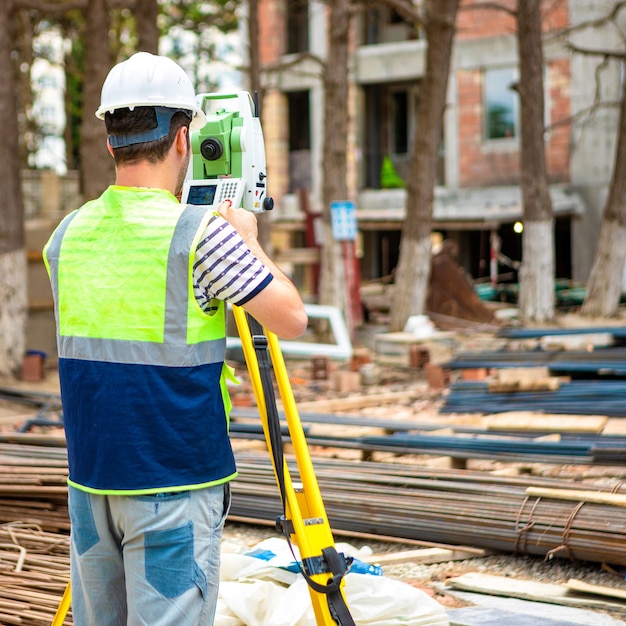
pixel 142 352
pixel 177 290
pixel 53 251
pixel 174 350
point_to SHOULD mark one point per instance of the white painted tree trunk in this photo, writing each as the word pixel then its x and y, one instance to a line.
pixel 13 311
pixel 536 298
pixel 412 280
pixel 605 283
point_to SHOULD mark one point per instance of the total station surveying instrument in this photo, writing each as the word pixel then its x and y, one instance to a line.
pixel 228 161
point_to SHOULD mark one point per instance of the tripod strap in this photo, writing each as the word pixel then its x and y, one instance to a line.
pixel 259 341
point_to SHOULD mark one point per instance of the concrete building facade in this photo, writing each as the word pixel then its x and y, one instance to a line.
pixel 477 196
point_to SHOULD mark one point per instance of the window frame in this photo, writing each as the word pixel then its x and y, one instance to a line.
pixel 514 137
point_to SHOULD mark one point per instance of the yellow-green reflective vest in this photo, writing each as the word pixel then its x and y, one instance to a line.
pixel 141 366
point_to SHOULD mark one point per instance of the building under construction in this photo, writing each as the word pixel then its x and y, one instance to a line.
pixel 477 200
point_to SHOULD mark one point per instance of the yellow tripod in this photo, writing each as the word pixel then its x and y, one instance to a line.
pixel 304 522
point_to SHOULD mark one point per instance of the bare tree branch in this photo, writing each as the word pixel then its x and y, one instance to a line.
pixel 599 22
pixel 592 108
pixel 50 7
pixel 492 6
pixel 293 60
pixel 614 54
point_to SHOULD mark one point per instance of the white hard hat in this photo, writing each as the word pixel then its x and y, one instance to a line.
pixel 149 80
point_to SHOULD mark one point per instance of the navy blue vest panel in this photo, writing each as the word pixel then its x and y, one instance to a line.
pixel 150 427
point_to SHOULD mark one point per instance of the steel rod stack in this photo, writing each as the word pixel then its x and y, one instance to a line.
pixel 399 500
pixel 578 397
pixel 447 507
pixel 34 570
pixel 404 501
pixel 33 481
pixel 602 362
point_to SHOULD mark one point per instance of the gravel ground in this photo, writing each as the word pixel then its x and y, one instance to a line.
pixel 430 577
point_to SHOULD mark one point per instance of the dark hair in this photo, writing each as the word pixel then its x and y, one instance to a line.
pixel 140 119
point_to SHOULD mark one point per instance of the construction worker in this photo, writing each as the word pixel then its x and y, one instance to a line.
pixel 140 284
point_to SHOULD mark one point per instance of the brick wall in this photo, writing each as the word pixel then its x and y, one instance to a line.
pixel 474 23
pixel 271 30
pixel 483 163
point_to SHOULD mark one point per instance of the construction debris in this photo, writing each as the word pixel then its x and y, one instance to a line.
pixel 567 595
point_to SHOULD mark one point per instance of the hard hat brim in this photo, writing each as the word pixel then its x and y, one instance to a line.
pixel 198 119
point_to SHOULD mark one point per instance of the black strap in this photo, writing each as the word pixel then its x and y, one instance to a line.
pixel 259 341
pixel 331 561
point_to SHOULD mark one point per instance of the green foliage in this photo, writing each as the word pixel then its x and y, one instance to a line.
pixel 190 27
pixel 74 71
pixel 196 16
pixel 500 122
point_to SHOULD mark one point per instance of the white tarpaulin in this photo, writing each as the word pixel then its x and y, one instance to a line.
pixel 262 591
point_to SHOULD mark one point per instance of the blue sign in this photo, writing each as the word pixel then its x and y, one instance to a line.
pixel 343 220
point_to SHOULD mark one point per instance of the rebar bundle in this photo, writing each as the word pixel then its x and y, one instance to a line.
pixel 448 506
pixel 34 570
pixel 578 397
pixel 403 501
pixel 399 500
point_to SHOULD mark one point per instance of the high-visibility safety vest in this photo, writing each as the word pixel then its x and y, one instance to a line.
pixel 141 366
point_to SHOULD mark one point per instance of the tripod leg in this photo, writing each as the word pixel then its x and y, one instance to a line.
pixel 64 606
pixel 305 521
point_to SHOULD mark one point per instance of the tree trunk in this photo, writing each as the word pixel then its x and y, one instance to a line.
pixel 334 188
pixel 22 27
pixel 605 284
pixel 536 302
pixel 146 13
pixel 536 297
pixel 13 288
pixel 413 270
pixel 96 164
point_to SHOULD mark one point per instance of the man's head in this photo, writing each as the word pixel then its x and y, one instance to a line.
pixel 144 101
pixel 144 133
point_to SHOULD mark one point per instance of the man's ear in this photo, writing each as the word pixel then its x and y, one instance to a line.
pixel 182 140
pixel 109 147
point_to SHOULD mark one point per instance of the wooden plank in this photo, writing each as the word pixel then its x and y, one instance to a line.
pixel 615 426
pixel 582 587
pixel 511 379
pixel 515 374
pixel 545 422
pixel 356 402
pixel 426 556
pixel 298 256
pixel 512 386
pixel 527 590
pixel 574 495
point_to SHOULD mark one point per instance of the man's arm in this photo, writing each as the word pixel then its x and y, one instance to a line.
pixel 278 307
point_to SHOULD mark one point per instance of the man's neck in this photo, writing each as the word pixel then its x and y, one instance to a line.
pixel 146 175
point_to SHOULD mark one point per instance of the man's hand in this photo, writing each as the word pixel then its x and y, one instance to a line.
pixel 243 221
